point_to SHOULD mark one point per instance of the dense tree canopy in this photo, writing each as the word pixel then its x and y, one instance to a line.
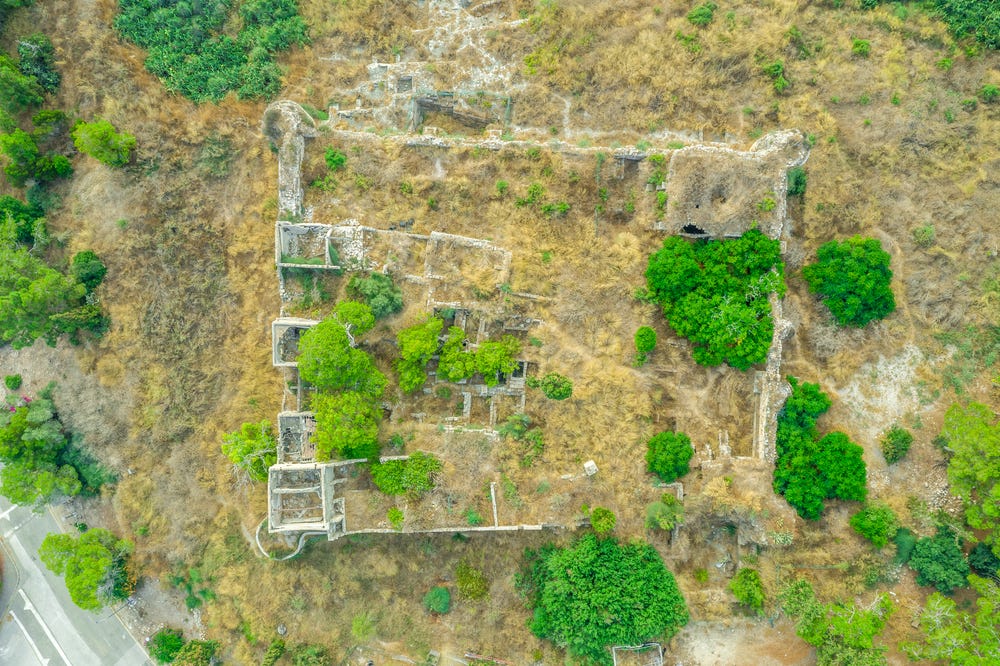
pixel 252 449
pixel 668 455
pixel 939 561
pixel 714 293
pixel 958 637
pixel 852 277
pixel 810 469
pixel 101 141
pixel 95 566
pixel 346 425
pixel 329 361
pixel 417 344
pixel 973 435
pixel 598 593
pixel 378 291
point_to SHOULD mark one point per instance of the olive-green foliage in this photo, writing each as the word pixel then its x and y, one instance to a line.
pixel 797 180
pixel 852 277
pixel 164 645
pixel 396 518
pixel 702 14
pixel 645 339
pixel 714 293
pixel 17 91
pixel 37 59
pixel 747 587
pixel 668 455
pixel 471 582
pixel 88 269
pixel 973 435
pixel 100 140
pixel 905 541
pixel 843 634
pixel 876 522
pixel 575 591
pixel 399 477
pixel 23 215
pixel 252 449
pixel 95 566
pixel 665 514
pixel 417 344
pixel 518 427
pixel 939 561
pixel 346 425
pixel 602 520
pixel 190 50
pixel 895 443
pixel 983 561
pixel 989 93
pixel 553 385
pixel 12 382
pixel 808 469
pixel 26 160
pixel 378 291
pixel 329 361
pixel 438 600
pixel 275 651
pixel 196 653
pixel 957 637
pixel 861 47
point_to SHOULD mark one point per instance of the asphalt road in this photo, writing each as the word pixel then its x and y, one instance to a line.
pixel 40 624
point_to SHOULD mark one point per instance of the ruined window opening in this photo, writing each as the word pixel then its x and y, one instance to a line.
pixel 694 230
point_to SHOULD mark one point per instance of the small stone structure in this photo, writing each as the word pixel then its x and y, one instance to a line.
pixel 285 334
pixel 301 499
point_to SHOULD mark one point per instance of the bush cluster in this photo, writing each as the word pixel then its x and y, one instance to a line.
pixel 876 522
pixel 553 385
pixel 852 277
pixel 714 293
pixel 668 455
pixel 940 562
pixel 399 477
pixel 747 587
pixel 895 443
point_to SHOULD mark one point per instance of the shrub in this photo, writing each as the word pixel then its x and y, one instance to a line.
pixel 471 582
pixel 748 589
pixel 12 382
pixel 989 93
pixel 196 653
pixel 396 518
pixel 252 449
pixel 852 277
pixel 335 159
pixel 983 561
pixel 905 541
pixel 413 475
pixel 100 140
pixel 923 236
pixel 377 291
pixel 438 600
pixel 165 644
pixel 602 520
pixel 668 455
pixel 715 294
pixel 876 522
pixel 17 91
pixel 645 340
pixel 553 385
pixel 574 591
pixel 38 60
pixel 88 269
pixel 275 651
pixel 797 180
pixel 665 514
pixel 702 14
pixel 895 443
pixel 861 47
pixel 939 562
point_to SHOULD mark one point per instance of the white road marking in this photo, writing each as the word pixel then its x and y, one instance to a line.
pixel 28 606
pixel 34 647
pixel 7 512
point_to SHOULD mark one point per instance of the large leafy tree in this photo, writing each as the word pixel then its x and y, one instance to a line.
pixel 328 358
pixel 973 436
pixel 346 425
pixel 852 277
pixel 809 469
pixel 252 449
pixel 497 357
pixel 714 293
pixel 17 91
pixel 598 593
pixel 958 637
pixel 417 344
pixel 939 561
pixel 456 364
pixel 95 566
pixel 101 141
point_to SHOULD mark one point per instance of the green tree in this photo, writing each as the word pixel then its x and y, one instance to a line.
pixel 196 653
pixel 797 180
pixel 22 153
pixel 983 561
pixel 164 645
pixel 973 435
pixel 356 318
pixel 715 293
pixel 876 522
pixel 88 270
pixel 895 443
pixel 747 587
pixel 853 279
pixel 455 364
pixel 598 593
pixel 329 361
pixel 346 425
pixel 95 566
pixel 417 344
pixel 553 385
pixel 497 357
pixel 378 291
pixel 665 514
pixel 252 449
pixel 958 637
pixel 602 520
pixel 101 141
pixel 415 475
pixel 38 60
pixel 17 91
pixel 438 600
pixel 939 561
pixel 668 455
